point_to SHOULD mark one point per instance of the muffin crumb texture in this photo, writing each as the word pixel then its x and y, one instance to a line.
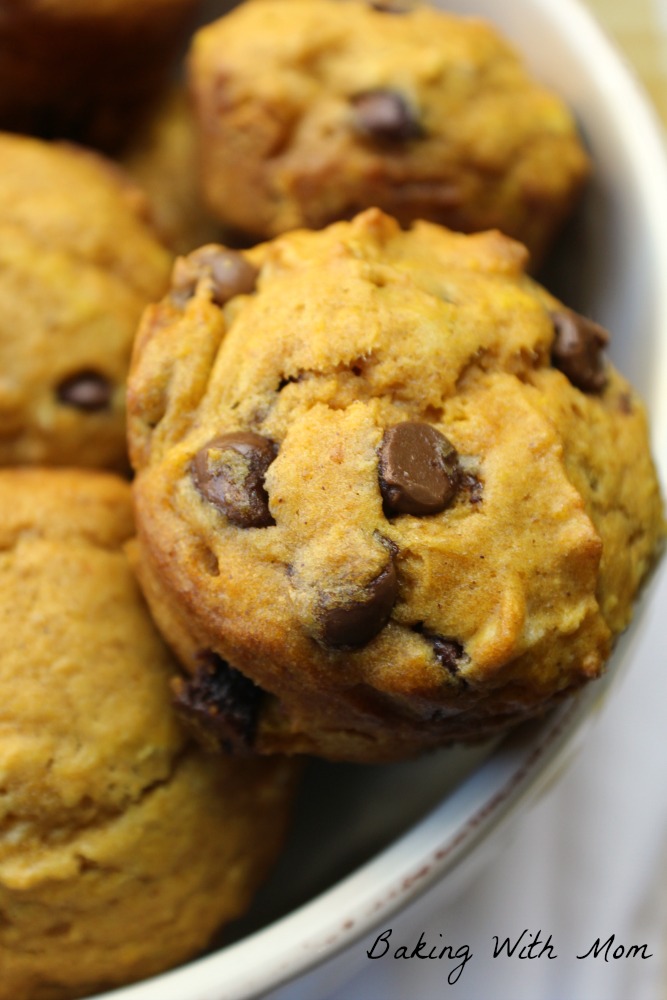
pixel 123 846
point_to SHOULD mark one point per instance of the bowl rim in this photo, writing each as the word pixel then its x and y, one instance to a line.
pixel 529 757
pixel 515 773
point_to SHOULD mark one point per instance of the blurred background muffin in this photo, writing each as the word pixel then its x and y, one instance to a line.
pixel 311 110
pixel 80 70
pixel 78 263
pixel 123 846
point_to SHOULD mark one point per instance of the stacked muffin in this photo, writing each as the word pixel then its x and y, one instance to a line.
pixel 379 492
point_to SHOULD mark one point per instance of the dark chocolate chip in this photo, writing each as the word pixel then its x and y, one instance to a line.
pixel 389 6
pixel 473 486
pixel 86 390
pixel 419 470
pixel 230 273
pixel 448 652
pixel 229 472
pixel 578 349
pixel 385 116
pixel 220 703
pixel 348 626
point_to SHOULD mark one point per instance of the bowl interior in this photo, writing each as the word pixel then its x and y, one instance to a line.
pixel 359 829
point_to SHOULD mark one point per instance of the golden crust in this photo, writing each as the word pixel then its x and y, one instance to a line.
pixel 352 330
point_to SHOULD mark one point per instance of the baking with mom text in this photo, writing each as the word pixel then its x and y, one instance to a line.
pixel 526 946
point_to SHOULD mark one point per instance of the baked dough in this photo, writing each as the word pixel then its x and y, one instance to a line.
pixel 79 260
pixel 123 846
pixel 312 110
pixel 383 476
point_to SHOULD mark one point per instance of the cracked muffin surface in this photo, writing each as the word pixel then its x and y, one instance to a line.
pixel 123 846
pixel 78 263
pixel 382 491
pixel 313 110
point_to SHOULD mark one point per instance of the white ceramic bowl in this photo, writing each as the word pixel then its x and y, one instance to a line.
pixel 369 840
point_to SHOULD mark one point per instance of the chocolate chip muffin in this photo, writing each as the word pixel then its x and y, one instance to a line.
pixel 382 489
pixel 312 110
pixel 78 263
pixel 87 71
pixel 124 846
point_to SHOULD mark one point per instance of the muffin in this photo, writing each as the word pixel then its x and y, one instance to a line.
pixel 311 110
pixel 124 846
pixel 87 71
pixel 162 159
pixel 382 479
pixel 78 263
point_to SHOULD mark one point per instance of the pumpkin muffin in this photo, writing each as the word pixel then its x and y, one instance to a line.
pixel 312 110
pixel 382 484
pixel 123 846
pixel 79 260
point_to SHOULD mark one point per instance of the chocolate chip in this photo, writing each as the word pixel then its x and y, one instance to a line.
pixel 229 472
pixel 448 652
pixel 229 272
pixel 219 703
pixel 86 390
pixel 473 486
pixel 577 350
pixel 347 626
pixel 389 7
pixel 384 115
pixel 419 470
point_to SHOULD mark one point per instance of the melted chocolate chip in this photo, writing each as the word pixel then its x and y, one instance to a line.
pixel 473 486
pixel 384 116
pixel 230 274
pixel 229 472
pixel 86 390
pixel 578 348
pixel 220 703
pixel 419 470
pixel 389 7
pixel 448 652
pixel 351 625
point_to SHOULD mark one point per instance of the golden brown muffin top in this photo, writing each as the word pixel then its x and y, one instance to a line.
pixel 265 400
